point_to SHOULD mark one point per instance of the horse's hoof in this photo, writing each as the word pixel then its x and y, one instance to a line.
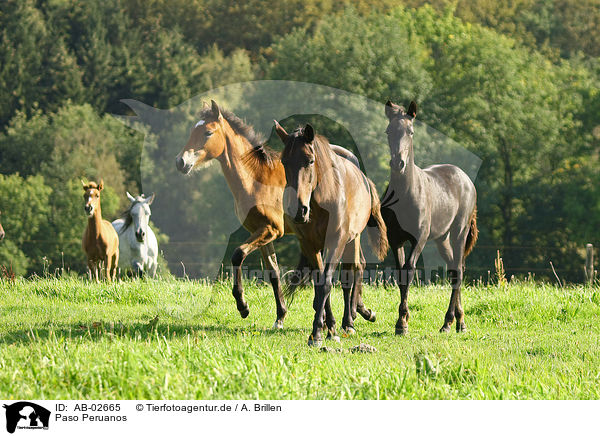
pixel 278 325
pixel 334 338
pixel 244 313
pixel 401 331
pixel 373 316
pixel 461 327
pixel 314 342
pixel 445 329
pixel 349 331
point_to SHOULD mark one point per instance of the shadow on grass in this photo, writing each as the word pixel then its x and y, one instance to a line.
pixel 136 331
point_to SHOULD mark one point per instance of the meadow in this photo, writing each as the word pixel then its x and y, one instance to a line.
pixel 179 339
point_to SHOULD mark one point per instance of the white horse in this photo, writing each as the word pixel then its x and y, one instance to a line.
pixel 138 246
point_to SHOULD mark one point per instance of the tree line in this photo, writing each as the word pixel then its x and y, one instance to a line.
pixel 515 82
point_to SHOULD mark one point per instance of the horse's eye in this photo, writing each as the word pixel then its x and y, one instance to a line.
pixel 208 133
pixel 311 161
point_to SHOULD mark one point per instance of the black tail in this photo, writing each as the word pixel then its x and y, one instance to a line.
pixel 473 233
pixel 376 226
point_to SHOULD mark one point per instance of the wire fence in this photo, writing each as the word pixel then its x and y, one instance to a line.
pixel 181 258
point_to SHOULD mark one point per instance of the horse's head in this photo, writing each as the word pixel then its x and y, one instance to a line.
pixel 91 197
pixel 400 133
pixel 207 140
pixel 140 214
pixel 1 230
pixel 298 159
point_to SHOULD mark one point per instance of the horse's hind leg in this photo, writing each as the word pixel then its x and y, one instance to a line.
pixel 455 273
pixel 272 271
pixel 259 238
pixel 358 305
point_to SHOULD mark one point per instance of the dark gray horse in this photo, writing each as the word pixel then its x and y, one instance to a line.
pixel 436 203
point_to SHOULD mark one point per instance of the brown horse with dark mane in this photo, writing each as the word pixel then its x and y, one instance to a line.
pixel 256 179
pixel 436 203
pixel 331 202
pixel 100 240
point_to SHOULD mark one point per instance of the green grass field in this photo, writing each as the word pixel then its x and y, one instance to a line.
pixel 70 339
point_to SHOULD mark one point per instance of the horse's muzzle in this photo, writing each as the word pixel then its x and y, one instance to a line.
pixel 140 235
pixel 2 234
pixel 302 215
pixel 182 166
pixel 397 163
pixel 88 210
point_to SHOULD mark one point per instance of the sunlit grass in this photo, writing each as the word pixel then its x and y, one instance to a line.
pixel 67 338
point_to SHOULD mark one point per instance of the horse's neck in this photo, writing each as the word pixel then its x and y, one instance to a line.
pixel 238 176
pixel 95 222
pixel 406 183
pixel 327 189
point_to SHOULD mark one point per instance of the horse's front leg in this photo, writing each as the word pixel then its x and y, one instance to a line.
pixel 115 265
pixel 108 265
pixel 138 268
pixel 259 238
pixel 407 275
pixel 313 258
pixel 93 270
pixel 272 272
pixel 347 281
pixel 323 283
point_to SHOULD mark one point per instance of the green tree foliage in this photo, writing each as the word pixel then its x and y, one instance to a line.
pixel 558 28
pixel 37 70
pixel 514 108
pixel 24 206
pixel 72 144
pixel 514 81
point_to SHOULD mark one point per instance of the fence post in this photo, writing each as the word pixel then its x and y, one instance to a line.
pixel 589 264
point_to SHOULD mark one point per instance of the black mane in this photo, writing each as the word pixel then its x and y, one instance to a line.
pixel 238 125
pixel 260 154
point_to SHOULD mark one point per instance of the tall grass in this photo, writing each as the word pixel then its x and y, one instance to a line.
pixel 71 339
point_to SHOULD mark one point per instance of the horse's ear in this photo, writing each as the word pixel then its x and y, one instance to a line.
pixel 150 199
pixel 412 109
pixel 280 132
pixel 84 185
pixel 309 133
pixel 101 185
pixel 130 197
pixel 391 110
pixel 214 107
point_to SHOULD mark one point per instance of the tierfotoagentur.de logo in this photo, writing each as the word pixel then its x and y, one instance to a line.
pixel 25 415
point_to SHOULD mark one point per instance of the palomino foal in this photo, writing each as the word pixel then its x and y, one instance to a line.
pixel 100 241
